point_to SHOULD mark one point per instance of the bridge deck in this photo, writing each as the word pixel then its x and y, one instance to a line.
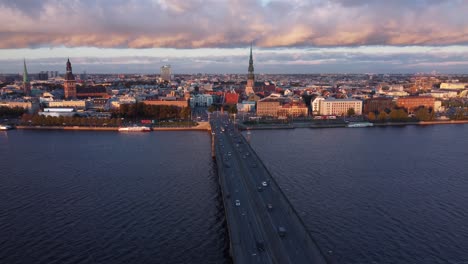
pixel 259 233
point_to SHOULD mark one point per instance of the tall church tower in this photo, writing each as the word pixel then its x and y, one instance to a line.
pixel 69 85
pixel 249 88
pixel 26 83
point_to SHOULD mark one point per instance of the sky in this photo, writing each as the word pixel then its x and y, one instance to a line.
pixel 213 36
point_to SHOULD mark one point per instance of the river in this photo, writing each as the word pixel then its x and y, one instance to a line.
pixel 107 197
pixel 376 195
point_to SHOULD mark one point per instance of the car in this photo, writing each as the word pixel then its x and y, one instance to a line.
pixel 229 153
pixel 269 206
pixel 281 231
pixel 237 203
pixel 259 188
pixel 260 246
pixel 254 165
pixel 265 184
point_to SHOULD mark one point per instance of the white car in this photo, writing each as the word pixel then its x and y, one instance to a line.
pixel 265 184
pixel 237 203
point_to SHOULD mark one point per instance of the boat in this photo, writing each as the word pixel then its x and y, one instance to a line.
pixel 134 129
pixel 360 124
pixel 5 127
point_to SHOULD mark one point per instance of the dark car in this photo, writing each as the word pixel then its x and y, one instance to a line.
pixel 281 231
pixel 260 246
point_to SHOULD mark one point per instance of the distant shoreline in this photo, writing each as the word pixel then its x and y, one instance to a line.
pixel 203 126
pixel 312 125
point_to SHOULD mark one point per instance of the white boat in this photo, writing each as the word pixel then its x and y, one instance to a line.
pixel 5 127
pixel 134 129
pixel 360 124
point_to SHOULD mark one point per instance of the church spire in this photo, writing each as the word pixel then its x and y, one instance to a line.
pixel 26 83
pixel 251 67
pixel 25 74
pixel 249 88
pixel 69 68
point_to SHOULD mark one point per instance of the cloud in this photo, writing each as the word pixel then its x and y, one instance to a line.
pixel 234 23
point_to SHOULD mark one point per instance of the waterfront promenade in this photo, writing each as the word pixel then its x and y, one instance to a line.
pixel 263 226
pixel 342 125
pixel 201 126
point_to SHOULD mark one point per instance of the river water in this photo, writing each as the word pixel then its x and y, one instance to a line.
pixel 106 197
pixel 373 195
pixel 377 195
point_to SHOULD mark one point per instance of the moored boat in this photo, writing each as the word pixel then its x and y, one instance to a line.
pixel 360 124
pixel 134 129
pixel 5 127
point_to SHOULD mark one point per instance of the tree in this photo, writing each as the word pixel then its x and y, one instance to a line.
pixel 398 115
pixel 351 112
pixel 212 108
pixel 383 116
pixel 232 109
pixel 459 114
pixel 424 114
pixel 371 116
pixel 185 112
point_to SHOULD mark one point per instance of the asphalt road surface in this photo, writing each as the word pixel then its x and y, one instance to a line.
pixel 264 227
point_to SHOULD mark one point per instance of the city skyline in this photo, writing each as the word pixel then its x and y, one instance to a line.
pixel 213 36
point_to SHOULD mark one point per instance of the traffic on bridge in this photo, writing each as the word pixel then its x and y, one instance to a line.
pixel 263 226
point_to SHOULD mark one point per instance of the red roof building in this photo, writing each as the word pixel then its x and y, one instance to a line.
pixel 231 98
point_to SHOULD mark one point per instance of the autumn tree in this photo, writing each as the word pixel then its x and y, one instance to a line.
pixel 383 116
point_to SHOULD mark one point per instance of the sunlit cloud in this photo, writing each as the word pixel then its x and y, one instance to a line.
pixel 236 23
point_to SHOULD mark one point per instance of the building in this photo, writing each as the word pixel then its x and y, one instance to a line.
pixel 268 107
pixel 58 112
pixel 166 73
pixel 98 91
pixel 69 85
pixel 438 106
pixel 26 82
pixel 231 98
pixel 411 103
pixel 13 104
pixel 42 76
pixel 179 103
pixel 316 105
pixel 339 107
pixel 453 86
pixel 246 106
pixel 203 100
pixel 294 109
pixel 76 104
pixel 249 88
pixel 378 104
pixel 442 94
pixel 52 74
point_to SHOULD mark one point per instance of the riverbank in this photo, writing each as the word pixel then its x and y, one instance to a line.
pixel 69 128
pixel 202 126
pixel 342 125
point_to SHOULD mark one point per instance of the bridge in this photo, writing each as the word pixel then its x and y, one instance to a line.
pixel 263 226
